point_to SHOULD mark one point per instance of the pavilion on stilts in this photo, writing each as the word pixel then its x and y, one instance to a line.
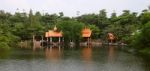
pixel 52 35
pixel 55 34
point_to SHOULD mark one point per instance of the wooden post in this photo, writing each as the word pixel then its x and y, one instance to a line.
pixel 88 41
pixel 42 41
pixel 47 40
pixel 63 39
pixel 59 39
pixel 51 40
pixel 33 40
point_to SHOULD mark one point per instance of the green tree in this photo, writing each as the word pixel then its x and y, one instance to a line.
pixel 71 30
pixel 95 31
pixel 88 19
pixel 145 17
pixel 141 40
pixel 103 21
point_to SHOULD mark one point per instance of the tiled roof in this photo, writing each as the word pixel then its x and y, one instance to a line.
pixel 86 32
pixel 52 33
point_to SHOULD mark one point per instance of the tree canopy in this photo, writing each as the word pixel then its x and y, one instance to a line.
pixel 22 25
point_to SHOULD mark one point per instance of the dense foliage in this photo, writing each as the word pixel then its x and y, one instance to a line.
pixel 141 39
pixel 22 26
pixel 71 30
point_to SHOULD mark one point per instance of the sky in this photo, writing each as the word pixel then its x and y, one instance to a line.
pixel 70 7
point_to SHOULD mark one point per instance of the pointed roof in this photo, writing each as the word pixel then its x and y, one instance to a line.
pixel 86 32
pixel 55 28
pixel 53 33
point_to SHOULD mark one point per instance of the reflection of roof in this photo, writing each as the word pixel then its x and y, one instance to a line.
pixel 86 32
pixel 52 33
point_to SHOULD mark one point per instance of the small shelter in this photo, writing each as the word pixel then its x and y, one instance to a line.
pixel 111 37
pixel 86 33
pixel 53 34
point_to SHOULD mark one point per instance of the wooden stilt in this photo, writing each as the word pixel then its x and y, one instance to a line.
pixel 59 39
pixel 63 39
pixel 42 41
pixel 51 40
pixel 88 41
pixel 33 40
pixel 47 41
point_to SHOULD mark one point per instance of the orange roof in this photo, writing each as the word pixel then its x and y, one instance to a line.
pixel 46 34
pixel 52 33
pixel 86 32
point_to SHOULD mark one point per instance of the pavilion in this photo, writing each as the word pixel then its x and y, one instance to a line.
pixel 53 34
pixel 86 34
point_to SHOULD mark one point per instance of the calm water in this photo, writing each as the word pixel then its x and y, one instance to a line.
pixel 72 59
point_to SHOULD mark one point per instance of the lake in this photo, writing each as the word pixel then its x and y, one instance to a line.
pixel 102 58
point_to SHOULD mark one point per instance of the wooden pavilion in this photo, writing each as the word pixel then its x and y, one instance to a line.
pixel 86 34
pixel 53 34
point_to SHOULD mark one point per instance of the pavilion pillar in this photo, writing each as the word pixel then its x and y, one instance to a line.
pixel 59 39
pixel 63 39
pixel 90 39
pixel 33 40
pixel 47 39
pixel 42 41
pixel 51 40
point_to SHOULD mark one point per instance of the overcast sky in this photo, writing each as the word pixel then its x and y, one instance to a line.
pixel 70 7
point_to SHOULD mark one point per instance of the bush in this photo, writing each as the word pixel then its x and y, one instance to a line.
pixel 141 41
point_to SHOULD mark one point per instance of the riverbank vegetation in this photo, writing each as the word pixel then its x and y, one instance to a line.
pixel 129 27
pixel 141 39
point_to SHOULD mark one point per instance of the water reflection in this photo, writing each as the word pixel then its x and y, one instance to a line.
pixel 111 53
pixel 87 58
pixel 53 53
pixel 56 58
pixel 87 54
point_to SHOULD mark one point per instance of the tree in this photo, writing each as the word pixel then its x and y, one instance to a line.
pixel 61 14
pixel 141 41
pixel 71 30
pixel 145 17
pixel 102 19
pixel 95 31
pixel 88 19
pixel 113 18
